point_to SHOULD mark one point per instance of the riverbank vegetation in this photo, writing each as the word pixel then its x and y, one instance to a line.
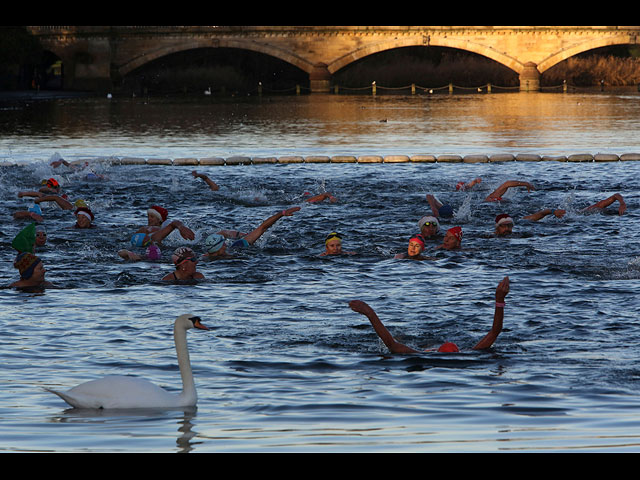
pixel 435 67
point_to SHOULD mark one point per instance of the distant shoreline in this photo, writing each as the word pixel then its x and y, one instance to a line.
pixel 32 95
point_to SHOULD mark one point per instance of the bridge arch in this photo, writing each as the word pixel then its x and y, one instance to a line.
pixel 426 41
pixel 582 47
pixel 148 56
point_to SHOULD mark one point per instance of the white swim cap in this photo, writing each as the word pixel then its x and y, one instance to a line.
pixel 214 242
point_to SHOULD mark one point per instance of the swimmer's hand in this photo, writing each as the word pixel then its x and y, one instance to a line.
pixel 502 290
pixel 359 306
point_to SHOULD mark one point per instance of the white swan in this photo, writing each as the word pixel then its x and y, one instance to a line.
pixel 117 391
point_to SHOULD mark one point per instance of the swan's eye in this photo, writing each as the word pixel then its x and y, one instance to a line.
pixel 195 320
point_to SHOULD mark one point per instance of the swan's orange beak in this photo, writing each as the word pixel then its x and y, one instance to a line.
pixel 199 325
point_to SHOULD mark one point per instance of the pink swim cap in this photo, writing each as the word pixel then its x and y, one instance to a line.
pixel 153 253
pixel 448 347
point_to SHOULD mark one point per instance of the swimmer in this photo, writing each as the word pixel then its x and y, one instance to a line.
pixel 468 186
pixel 504 225
pixel 414 250
pixel 601 205
pixel 51 186
pixel 243 240
pixel 321 197
pixel 31 270
pixel 438 208
pixel 452 239
pixel 185 261
pixel 212 185
pixel 48 187
pixel 333 245
pixel 396 347
pixel 25 240
pixel 497 194
pixel 156 215
pixel 41 236
pixel 33 213
pixel 429 227
pixel 216 248
pixel 158 225
pixel 84 218
pixel 59 162
pixel 151 253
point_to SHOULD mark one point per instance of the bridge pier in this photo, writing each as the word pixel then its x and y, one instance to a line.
pixel 320 79
pixel 530 78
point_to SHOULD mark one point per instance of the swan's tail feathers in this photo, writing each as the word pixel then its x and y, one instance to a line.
pixel 64 397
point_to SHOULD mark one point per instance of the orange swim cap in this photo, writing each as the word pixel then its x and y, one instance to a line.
pixel 448 347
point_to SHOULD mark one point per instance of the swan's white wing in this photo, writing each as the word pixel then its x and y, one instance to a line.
pixel 118 392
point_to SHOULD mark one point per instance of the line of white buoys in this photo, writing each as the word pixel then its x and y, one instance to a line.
pixel 422 158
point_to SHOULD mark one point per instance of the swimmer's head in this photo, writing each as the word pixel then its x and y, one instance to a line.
pixel 416 245
pixel 448 347
pixel 140 240
pixel 26 263
pixel 333 243
pixel 158 214
pixel 429 225
pixel 35 208
pixel 453 238
pixel 53 183
pixel 332 236
pixel 153 252
pixel 181 254
pixel 504 224
pixel 84 217
pixel 214 242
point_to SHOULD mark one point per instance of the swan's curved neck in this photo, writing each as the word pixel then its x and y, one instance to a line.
pixel 184 363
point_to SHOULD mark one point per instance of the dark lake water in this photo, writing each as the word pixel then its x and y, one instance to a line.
pixel 287 366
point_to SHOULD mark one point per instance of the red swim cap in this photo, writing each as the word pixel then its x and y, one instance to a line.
pixel 448 347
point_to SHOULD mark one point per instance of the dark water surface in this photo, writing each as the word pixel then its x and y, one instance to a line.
pixel 287 366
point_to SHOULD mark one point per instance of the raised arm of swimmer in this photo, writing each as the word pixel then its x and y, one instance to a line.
pixel 212 185
pixel 608 201
pixel 251 237
pixel 62 203
pixel 185 232
pixel 394 346
pixel 501 292
pixel 539 215
pixel 502 189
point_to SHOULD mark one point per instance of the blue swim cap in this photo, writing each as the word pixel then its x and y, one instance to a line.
pixel 140 240
pixel 445 211
pixel 35 208
pixel 238 244
pixel 214 242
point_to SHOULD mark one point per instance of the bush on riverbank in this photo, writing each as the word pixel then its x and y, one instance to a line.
pixel 591 70
pixel 439 67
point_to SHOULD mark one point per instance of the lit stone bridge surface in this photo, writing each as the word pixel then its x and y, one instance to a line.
pixel 94 57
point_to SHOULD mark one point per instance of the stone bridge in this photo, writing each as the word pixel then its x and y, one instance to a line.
pixel 94 57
